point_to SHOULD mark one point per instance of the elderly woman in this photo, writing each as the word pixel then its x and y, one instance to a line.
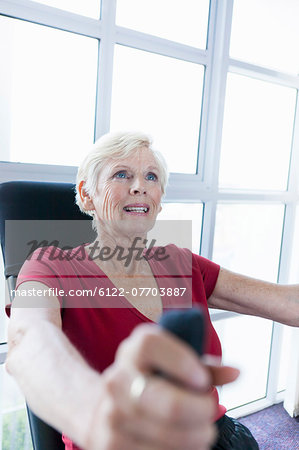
pixel 64 349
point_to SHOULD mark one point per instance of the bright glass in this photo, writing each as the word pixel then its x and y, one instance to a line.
pixel 48 93
pixel 89 8
pixel 257 134
pixel 15 429
pixel 185 22
pixel 246 345
pixel 266 32
pixel 185 211
pixel 247 239
pixel 162 97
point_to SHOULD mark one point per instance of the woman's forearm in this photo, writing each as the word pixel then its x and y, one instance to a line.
pixel 235 292
pixel 57 383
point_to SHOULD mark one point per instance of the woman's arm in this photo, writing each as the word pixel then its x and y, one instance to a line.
pixel 58 384
pixel 234 292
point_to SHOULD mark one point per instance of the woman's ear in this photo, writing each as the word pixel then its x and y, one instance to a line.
pixel 160 208
pixel 85 198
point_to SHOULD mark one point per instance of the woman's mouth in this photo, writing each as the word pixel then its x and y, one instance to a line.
pixel 137 209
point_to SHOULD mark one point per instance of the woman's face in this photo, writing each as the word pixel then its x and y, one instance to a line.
pixel 129 194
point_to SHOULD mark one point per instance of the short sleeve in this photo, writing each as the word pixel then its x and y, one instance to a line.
pixel 42 268
pixel 39 267
pixel 209 272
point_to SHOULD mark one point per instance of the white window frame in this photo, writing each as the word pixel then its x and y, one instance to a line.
pixel 202 186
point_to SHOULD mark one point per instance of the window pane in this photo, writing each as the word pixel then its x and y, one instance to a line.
pixel 257 134
pixel 15 429
pixel 48 89
pixel 266 33
pixel 185 22
pixel 161 96
pixel 185 211
pixel 247 239
pixel 89 8
pixel 249 352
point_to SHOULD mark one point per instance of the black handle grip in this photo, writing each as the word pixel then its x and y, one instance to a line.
pixel 187 325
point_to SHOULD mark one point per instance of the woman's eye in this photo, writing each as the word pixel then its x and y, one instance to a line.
pixel 121 174
pixel 151 176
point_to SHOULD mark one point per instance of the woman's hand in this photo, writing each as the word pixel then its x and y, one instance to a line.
pixel 175 411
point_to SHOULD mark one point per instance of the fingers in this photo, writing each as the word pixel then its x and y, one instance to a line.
pixel 164 416
pixel 172 417
pixel 123 441
pixel 177 406
pixel 150 348
pixel 159 437
pixel 223 374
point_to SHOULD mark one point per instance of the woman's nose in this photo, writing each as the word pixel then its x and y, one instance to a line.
pixel 137 186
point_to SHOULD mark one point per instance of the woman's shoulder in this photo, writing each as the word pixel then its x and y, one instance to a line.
pixel 179 252
pixel 185 256
pixel 172 259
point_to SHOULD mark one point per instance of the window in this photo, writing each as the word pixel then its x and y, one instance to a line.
pixel 249 351
pixel 255 154
pixel 49 90
pixel 144 83
pixel 266 33
pixel 174 213
pixel 15 427
pixel 248 238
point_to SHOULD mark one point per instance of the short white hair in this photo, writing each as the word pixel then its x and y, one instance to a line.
pixel 116 145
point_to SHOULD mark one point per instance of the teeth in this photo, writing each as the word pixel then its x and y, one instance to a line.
pixel 136 208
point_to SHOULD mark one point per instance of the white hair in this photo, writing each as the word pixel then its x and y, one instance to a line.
pixel 115 145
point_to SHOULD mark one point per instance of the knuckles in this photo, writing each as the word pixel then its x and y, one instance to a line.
pixel 143 341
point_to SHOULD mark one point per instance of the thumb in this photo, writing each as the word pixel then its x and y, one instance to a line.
pixel 222 374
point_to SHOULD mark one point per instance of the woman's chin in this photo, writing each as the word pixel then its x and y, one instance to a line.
pixel 134 228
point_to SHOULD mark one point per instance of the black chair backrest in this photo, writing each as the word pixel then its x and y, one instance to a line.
pixel 28 211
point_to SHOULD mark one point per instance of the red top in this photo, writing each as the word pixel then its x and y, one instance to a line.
pixel 96 318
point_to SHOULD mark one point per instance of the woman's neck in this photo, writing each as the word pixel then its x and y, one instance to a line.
pixel 120 255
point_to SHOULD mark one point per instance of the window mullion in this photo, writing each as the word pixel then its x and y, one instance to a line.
pixel 105 69
pixel 161 46
pixel 263 73
pixel 293 184
pixel 206 90
pixel 216 74
pixel 53 17
pixel 208 228
pixel 274 362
